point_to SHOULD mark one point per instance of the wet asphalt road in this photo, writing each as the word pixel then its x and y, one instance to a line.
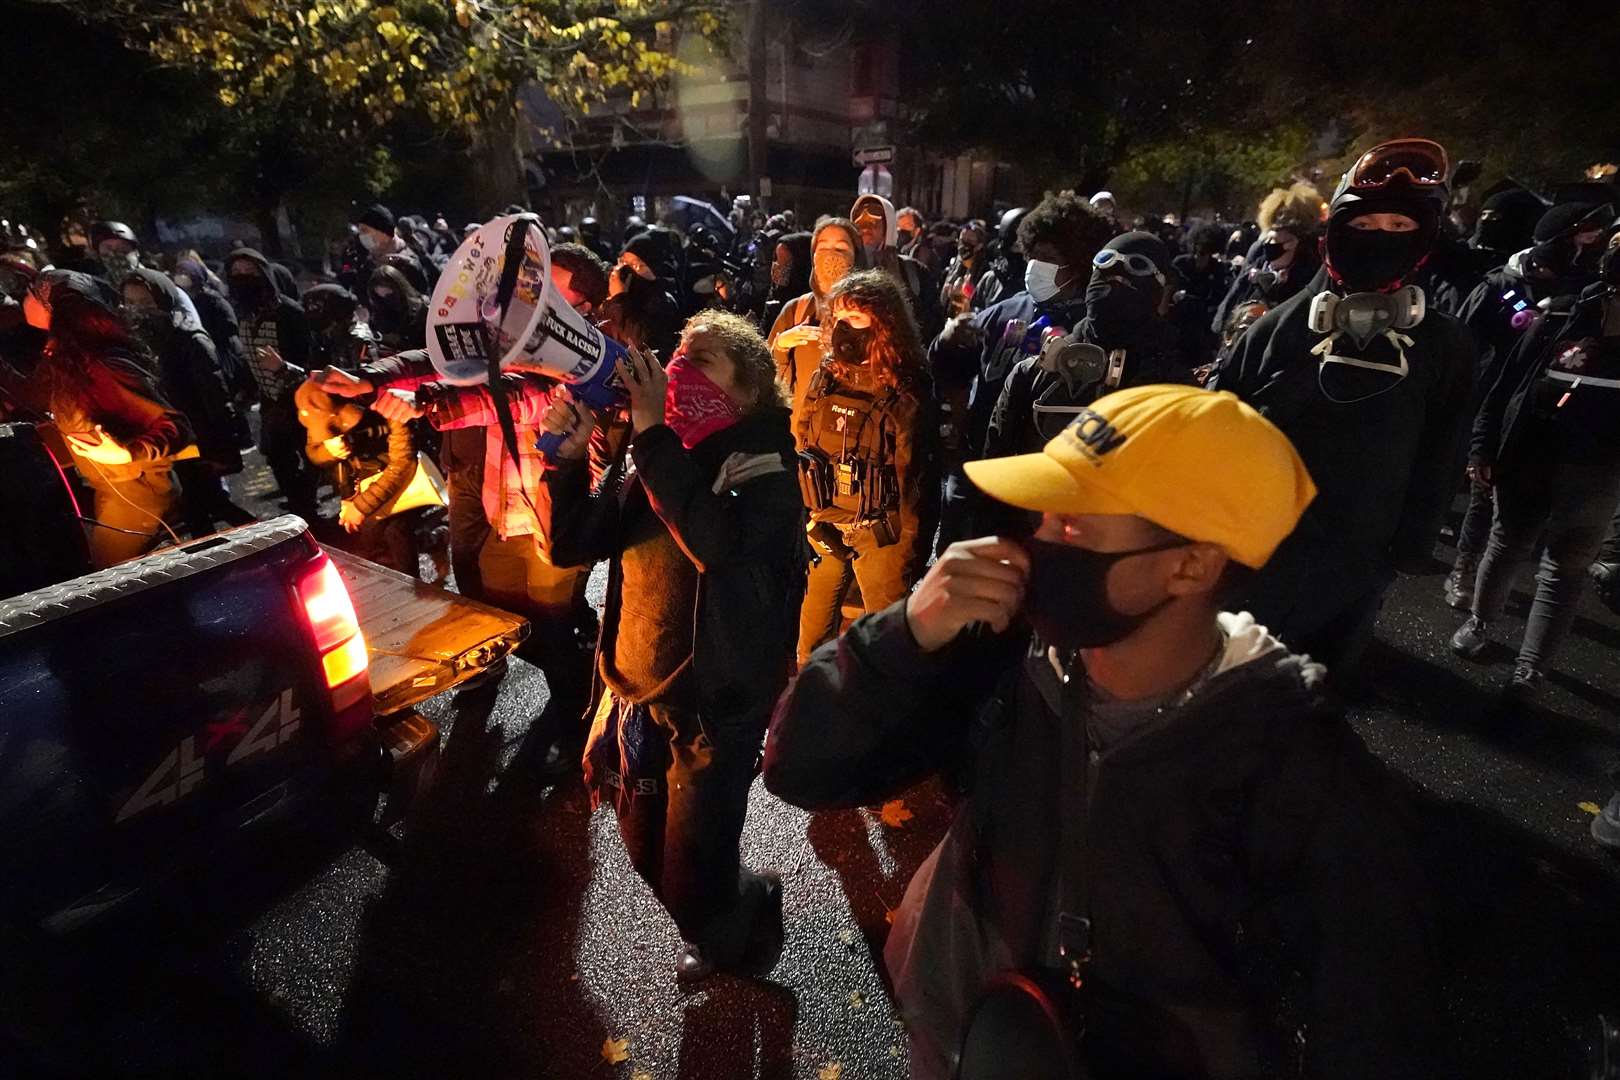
pixel 510 938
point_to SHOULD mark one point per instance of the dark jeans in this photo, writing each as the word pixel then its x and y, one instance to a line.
pixel 1475 530
pixel 1569 507
pixel 884 575
pixel 1610 552
pixel 205 500
pixel 281 440
pixel 683 837
pixel 469 528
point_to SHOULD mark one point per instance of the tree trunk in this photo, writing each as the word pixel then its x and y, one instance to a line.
pixel 268 222
pixel 496 168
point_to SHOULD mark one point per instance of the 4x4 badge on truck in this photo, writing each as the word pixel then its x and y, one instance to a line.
pixel 179 773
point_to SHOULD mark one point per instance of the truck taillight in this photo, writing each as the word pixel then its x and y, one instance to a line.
pixel 332 620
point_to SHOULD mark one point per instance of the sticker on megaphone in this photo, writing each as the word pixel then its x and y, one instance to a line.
pixel 471 324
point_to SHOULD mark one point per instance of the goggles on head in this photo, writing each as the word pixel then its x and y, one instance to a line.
pixel 1423 162
pixel 1134 264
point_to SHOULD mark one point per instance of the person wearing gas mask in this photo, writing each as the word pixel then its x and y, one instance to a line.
pixel 973 355
pixel 1284 259
pixel 1540 282
pixel 700 519
pixel 790 274
pixel 795 337
pixel 867 460
pixel 164 320
pixel 398 312
pixel 1163 804
pixel 1547 443
pixel 641 309
pixel 275 344
pixel 1004 270
pixel 1202 280
pixel 1124 340
pixel 117 248
pixel 337 336
pixel 1373 389
pixel 95 381
pixel 958 290
pixel 879 228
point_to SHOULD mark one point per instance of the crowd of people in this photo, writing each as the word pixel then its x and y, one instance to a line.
pixel 1120 506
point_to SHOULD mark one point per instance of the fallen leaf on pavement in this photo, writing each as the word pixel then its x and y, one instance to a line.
pixel 831 1071
pixel 894 813
pixel 615 1051
pixel 846 937
pixel 1590 807
pixel 857 1000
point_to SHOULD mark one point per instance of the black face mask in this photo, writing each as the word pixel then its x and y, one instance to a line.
pixel 1272 252
pixel 849 345
pixel 1066 598
pixel 252 292
pixel 1372 259
pixel 1117 310
pixel 151 324
pixel 906 236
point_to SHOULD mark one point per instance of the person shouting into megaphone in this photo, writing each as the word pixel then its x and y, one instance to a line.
pixel 701 518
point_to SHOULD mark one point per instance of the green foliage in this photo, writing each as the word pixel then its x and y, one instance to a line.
pixel 1210 167
pixel 355 66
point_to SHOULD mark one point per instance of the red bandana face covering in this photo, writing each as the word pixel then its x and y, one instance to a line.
pixel 694 407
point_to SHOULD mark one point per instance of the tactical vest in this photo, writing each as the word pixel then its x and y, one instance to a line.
pixel 847 437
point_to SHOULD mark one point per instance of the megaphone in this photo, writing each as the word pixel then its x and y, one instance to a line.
pixel 495 310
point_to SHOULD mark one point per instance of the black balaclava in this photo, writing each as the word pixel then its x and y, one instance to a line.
pixel 250 292
pixel 1373 260
pixel 1119 304
pixel 1507 221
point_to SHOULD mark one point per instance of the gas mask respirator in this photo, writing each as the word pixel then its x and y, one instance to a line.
pixel 1364 317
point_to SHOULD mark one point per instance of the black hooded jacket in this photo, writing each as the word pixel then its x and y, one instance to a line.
pixel 292 329
pixel 1249 283
pixel 1521 421
pixel 1384 456
pixel 189 372
pixel 1152 356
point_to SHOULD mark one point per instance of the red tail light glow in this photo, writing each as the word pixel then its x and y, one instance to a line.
pixel 331 617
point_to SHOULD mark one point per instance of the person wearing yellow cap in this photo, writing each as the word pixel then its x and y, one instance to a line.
pixel 1164 806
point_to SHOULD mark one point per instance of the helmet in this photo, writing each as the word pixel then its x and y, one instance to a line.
pixel 1402 176
pixel 112 230
pixel 1007 230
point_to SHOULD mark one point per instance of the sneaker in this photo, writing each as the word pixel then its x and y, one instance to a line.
pixel 1459 590
pixel 1525 685
pixel 1606 826
pixel 1471 638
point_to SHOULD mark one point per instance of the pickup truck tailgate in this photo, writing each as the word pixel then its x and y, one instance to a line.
pixel 422 639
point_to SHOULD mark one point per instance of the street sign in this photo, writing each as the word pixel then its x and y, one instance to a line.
pixel 874 155
pixel 876 180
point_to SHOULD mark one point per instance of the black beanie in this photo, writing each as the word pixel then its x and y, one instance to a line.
pixel 653 249
pixel 1564 217
pixel 379 217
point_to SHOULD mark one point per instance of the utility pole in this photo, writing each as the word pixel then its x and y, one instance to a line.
pixel 759 105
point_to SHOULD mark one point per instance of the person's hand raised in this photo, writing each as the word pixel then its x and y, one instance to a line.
pixel 573 420
pixel 973 581
pixel 645 383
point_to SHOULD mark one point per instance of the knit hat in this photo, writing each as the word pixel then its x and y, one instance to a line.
pixel 1565 217
pixel 379 217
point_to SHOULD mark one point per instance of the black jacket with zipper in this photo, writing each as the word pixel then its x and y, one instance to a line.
pixel 1244 838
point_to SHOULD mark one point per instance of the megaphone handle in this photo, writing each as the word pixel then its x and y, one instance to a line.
pixel 549 443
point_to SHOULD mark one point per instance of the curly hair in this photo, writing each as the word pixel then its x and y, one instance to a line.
pixel 1297 208
pixel 897 349
pixel 1070 224
pixel 750 355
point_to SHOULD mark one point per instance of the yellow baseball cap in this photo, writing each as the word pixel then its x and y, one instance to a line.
pixel 1200 463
